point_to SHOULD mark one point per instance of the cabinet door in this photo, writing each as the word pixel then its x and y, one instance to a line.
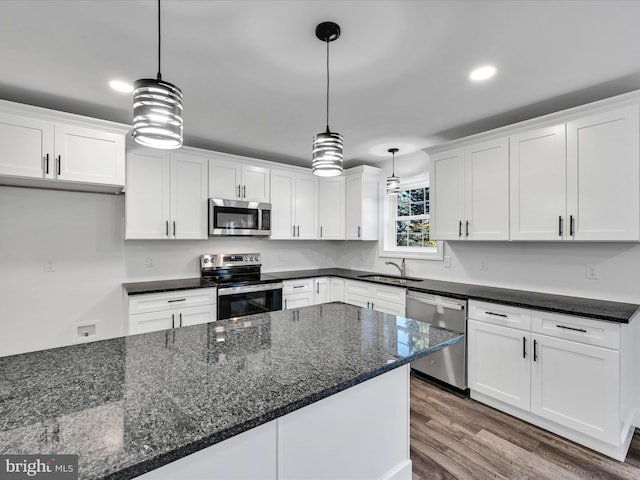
pixel 152 321
pixel 357 300
pixel 603 187
pixel 282 204
pixel 306 213
pixel 188 197
pixel 297 300
pixel 196 315
pixel 25 145
pixel 577 386
pixel 321 290
pixel 147 206
pixel 499 364
pixel 331 208
pixel 224 179
pixel 337 289
pixel 353 218
pixel 87 155
pixel 447 196
pixel 538 182
pixel 255 184
pixel 487 191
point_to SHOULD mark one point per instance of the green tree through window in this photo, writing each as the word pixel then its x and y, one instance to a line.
pixel 412 218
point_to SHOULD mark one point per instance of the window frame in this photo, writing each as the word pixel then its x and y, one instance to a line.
pixel 388 208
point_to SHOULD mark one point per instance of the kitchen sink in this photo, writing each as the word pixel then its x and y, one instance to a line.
pixel 393 279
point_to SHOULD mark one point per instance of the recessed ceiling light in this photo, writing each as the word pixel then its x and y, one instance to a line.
pixel 482 73
pixel 120 86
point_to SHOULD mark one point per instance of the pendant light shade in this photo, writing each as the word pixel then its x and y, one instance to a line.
pixel 393 182
pixel 157 110
pixel 327 146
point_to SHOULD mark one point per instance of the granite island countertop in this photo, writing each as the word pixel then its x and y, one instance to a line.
pixel 131 404
pixel 606 310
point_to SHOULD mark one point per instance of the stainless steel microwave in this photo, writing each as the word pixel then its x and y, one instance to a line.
pixel 237 217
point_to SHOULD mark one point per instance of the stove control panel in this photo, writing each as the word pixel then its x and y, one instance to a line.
pixel 225 260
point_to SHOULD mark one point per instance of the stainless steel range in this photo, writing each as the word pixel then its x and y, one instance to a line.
pixel 242 288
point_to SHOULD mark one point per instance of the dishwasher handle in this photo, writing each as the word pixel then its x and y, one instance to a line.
pixel 437 303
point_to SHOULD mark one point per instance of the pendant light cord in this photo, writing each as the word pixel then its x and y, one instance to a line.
pixel 393 164
pixel 327 86
pixel 159 38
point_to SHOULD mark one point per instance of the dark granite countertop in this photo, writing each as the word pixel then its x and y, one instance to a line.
pixel 129 405
pixel 585 307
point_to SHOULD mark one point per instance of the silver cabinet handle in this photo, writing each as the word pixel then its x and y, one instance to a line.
pixel 571 225
pixel 174 228
pixel 166 228
pixel 460 229
pixel 359 231
pixel 318 288
pixel 372 306
pixel 298 286
pixel 524 347
pixel 298 231
pixel 239 191
pixel 320 231
pixel 285 303
pixel 173 320
pixel 466 228
pixel 181 319
pixel 294 230
pixel 59 162
pixel 535 350
pixel 368 304
pixel 496 314
pixel 244 191
pixel 46 164
pixel 560 225
pixel 582 330
pixel 177 300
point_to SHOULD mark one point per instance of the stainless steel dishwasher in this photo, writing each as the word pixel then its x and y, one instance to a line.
pixel 448 365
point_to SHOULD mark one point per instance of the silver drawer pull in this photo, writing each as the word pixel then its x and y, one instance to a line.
pixel 299 286
pixel 496 314
pixel 178 300
pixel 571 328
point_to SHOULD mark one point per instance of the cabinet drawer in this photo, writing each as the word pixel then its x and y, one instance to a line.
pixel 357 288
pixel 578 329
pixel 388 294
pixel 297 286
pixel 498 314
pixel 155 302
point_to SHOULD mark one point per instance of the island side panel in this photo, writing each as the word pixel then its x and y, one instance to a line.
pixel 361 432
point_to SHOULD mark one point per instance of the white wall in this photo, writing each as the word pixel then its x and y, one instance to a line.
pixel 82 233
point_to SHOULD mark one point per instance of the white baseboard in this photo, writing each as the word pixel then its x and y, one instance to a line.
pixel 403 471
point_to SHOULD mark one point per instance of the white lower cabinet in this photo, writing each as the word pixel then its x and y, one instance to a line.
pixel 337 289
pixel 326 439
pixel 297 293
pixel 560 372
pixel 321 290
pixel 161 311
pixel 376 297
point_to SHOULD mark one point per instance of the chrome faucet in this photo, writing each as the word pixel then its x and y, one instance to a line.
pixel 402 267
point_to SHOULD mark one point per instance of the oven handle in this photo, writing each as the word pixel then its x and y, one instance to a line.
pixel 249 288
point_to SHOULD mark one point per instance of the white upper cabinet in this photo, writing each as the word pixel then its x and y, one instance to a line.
pixel 234 179
pixel 362 187
pixel 166 195
pixel 538 171
pixel 470 188
pixel 293 205
pixel 603 184
pixel 38 149
pixel 331 208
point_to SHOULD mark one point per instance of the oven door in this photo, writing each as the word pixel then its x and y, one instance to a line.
pixel 249 299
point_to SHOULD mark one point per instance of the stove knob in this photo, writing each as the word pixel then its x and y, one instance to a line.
pixel 206 260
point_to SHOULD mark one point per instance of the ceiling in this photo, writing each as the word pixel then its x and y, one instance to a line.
pixel 253 73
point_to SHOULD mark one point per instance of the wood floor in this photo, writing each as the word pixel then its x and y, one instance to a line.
pixel 454 437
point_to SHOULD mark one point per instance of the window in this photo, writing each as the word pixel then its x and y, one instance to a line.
pixel 406 223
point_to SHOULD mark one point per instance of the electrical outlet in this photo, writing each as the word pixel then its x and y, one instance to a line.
pixel 592 271
pixel 484 265
pixel 85 331
pixel 447 261
pixel 150 262
pixel 49 266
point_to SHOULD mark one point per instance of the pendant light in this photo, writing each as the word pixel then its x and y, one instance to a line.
pixel 393 182
pixel 327 146
pixel 157 110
